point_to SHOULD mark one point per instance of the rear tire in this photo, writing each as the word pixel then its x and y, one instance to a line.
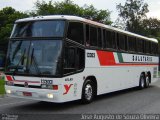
pixel 147 81
pixel 88 92
pixel 142 82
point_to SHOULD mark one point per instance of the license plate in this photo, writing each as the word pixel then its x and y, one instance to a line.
pixel 27 94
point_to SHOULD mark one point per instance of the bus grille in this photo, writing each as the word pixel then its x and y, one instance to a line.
pixel 29 86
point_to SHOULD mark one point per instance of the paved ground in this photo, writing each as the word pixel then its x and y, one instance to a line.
pixel 130 101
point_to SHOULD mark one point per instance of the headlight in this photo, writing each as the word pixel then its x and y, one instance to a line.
pixel 8 91
pixel 50 95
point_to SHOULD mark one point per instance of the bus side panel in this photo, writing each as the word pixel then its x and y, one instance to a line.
pixel 117 71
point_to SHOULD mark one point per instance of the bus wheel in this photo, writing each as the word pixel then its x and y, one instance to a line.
pixel 87 92
pixel 147 81
pixel 142 81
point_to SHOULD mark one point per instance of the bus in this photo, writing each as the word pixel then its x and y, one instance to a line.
pixel 62 58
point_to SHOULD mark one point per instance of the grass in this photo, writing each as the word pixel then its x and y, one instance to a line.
pixel 2 89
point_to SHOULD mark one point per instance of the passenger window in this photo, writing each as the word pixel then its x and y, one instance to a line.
pixel 122 40
pixel 109 39
pixel 99 38
pixel 74 58
pixel 69 62
pixel 148 47
pixel 154 48
pixel 93 36
pixel 80 59
pixel 104 39
pixel 87 36
pixel 132 44
pixel 113 39
pixel 140 45
pixel 76 32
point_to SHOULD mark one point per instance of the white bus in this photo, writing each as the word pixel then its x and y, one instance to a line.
pixel 65 58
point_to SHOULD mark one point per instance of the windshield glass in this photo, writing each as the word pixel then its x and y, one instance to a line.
pixel 39 29
pixel 38 57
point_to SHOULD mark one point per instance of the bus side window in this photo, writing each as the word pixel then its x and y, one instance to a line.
pixel 111 43
pixel 154 48
pixel 109 39
pixel 99 38
pixel 80 59
pixel 69 60
pixel 117 40
pixel 104 39
pixel 87 36
pixel 75 32
pixel 93 36
pixel 131 44
pixel 74 59
pixel 148 47
pixel 113 40
pixel 140 45
pixel 122 42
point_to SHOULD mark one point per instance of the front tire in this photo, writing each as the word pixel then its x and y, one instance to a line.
pixel 88 92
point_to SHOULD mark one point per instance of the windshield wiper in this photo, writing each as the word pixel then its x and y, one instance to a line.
pixel 33 60
pixel 17 66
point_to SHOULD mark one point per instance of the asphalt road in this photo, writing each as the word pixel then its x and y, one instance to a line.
pixel 131 101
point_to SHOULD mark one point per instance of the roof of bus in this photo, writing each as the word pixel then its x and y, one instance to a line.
pixel 76 18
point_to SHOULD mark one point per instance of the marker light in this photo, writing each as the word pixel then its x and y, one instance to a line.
pixel 55 87
pixel 8 91
pixel 50 95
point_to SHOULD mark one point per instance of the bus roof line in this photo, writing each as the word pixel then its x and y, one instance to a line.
pixel 68 17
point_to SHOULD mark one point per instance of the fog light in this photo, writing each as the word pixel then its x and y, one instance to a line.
pixel 50 95
pixel 8 91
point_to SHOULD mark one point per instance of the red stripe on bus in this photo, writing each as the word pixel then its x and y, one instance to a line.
pixel 26 81
pixel 9 78
pixel 106 58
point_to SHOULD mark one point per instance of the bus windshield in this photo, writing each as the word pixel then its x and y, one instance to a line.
pixel 39 29
pixel 37 57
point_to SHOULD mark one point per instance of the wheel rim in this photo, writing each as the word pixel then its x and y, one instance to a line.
pixel 88 92
pixel 142 82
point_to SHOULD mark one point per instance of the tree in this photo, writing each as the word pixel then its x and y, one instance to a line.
pixel 152 27
pixel 132 13
pixel 66 7
pixel 102 16
pixel 69 8
pixel 8 15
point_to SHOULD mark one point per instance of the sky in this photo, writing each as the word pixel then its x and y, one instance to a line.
pixel 28 5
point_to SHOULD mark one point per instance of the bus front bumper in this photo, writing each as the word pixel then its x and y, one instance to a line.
pixel 34 94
